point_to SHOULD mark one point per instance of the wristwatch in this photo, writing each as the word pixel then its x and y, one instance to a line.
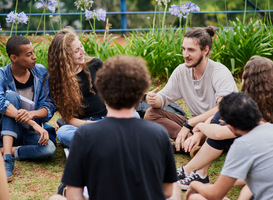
pixel 187 125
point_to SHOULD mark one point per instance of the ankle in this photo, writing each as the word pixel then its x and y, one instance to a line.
pixel 202 175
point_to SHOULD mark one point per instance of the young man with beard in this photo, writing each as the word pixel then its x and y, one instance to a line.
pixel 200 81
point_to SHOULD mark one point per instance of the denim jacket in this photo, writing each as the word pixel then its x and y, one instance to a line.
pixel 41 97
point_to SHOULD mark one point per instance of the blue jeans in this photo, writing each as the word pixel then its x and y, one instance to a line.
pixel 26 139
pixel 66 132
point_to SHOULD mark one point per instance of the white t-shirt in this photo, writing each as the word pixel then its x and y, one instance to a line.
pixel 250 157
pixel 199 95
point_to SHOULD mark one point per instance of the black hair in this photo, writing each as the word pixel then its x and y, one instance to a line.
pixel 14 43
pixel 240 111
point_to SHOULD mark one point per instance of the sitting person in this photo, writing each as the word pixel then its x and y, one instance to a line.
pixel 121 157
pixel 257 77
pixel 24 79
pixel 71 80
pixel 248 158
pixel 200 81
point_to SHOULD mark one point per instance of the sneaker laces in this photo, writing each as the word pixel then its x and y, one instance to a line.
pixel 179 171
pixel 193 176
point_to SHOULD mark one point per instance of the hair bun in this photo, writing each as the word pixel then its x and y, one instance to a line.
pixel 211 30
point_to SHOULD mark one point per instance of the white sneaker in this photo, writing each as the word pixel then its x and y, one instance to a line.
pixel 66 152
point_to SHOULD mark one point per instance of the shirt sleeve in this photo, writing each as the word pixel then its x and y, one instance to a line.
pixel 74 168
pixel 238 160
pixel 223 82
pixel 172 90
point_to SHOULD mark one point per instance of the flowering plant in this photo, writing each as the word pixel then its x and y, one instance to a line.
pixel 47 4
pixel 183 10
pixel 83 4
pixel 16 18
pixel 99 14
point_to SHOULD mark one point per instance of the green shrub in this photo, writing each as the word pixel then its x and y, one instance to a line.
pixel 234 47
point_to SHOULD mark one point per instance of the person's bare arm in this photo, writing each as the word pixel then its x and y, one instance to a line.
pixel 78 122
pixel 182 135
pixel 215 131
pixel 212 191
pixel 4 191
pixel 74 193
pixel 167 189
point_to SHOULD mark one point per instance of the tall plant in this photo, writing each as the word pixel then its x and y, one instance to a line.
pixel 234 47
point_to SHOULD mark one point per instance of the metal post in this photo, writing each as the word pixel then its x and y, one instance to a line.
pixel 123 16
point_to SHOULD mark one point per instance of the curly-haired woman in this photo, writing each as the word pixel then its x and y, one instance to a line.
pixel 71 80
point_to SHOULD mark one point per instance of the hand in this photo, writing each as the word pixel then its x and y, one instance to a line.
pixel 190 191
pixel 44 137
pixel 192 142
pixel 56 126
pixel 151 96
pixel 182 135
pixel 23 116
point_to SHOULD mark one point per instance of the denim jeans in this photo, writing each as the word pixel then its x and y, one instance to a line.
pixel 26 139
pixel 66 132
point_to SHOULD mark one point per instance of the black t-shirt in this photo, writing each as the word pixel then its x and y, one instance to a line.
pixel 94 107
pixel 121 159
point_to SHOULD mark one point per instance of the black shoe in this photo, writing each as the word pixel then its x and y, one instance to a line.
pixel 194 176
pixel 62 189
pixel 181 173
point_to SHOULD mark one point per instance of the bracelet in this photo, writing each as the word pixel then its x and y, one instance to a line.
pixel 187 125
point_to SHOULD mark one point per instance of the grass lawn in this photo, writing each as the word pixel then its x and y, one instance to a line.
pixel 40 179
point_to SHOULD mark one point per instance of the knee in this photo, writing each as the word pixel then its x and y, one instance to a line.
pixel 13 98
pixel 49 150
pixel 152 114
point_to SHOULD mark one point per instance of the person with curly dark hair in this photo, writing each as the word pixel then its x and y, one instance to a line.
pixel 71 81
pixel 121 157
pixel 249 157
pixel 257 83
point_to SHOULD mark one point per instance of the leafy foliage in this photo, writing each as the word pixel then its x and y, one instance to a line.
pixel 234 47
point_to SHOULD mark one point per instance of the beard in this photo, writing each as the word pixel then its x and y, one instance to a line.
pixel 195 64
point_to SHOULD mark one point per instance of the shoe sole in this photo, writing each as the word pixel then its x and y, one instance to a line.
pixel 186 187
pixel 10 178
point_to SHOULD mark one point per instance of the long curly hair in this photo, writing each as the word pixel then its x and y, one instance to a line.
pixel 63 82
pixel 258 83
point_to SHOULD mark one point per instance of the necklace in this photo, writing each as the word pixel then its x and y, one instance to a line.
pixel 77 70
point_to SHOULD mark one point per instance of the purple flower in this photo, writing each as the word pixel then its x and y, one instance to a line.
pixel 192 7
pixel 14 17
pixel 174 10
pixel 99 14
pixel 47 4
pixel 184 9
pixel 90 14
pixel 0 28
pixel 83 4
